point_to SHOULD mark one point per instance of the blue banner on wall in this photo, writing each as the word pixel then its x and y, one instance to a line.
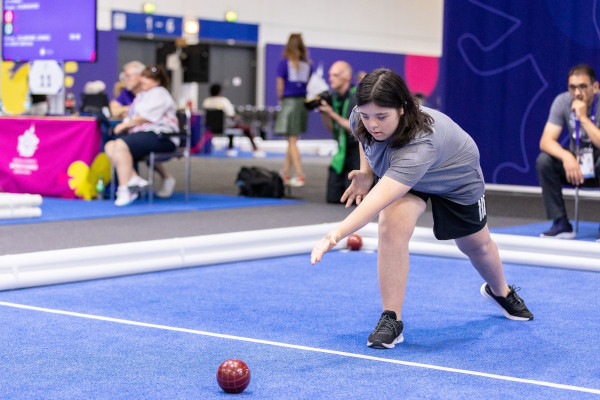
pixel 505 62
pixel 159 25
pixel 223 30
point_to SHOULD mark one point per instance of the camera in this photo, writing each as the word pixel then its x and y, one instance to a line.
pixel 316 101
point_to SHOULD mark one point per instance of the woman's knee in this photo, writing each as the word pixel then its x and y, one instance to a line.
pixel 478 244
pixel 109 148
pixel 392 231
pixel 398 220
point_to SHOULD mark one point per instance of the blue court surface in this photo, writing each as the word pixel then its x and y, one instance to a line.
pixel 55 209
pixel 588 231
pixel 302 330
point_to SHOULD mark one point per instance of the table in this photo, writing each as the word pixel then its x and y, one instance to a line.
pixel 36 153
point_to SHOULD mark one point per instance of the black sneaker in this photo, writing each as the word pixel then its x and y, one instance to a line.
pixel 560 229
pixel 512 305
pixel 387 333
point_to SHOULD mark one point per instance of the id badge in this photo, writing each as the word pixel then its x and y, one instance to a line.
pixel 586 162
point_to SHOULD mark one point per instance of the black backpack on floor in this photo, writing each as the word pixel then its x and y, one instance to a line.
pixel 259 182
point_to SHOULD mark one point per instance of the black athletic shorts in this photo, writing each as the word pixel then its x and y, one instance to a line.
pixel 143 143
pixel 452 220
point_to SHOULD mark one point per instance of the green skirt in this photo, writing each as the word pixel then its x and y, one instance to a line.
pixel 293 117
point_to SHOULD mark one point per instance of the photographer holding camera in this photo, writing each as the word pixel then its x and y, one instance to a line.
pixel 335 108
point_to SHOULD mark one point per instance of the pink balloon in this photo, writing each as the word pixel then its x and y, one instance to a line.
pixel 421 73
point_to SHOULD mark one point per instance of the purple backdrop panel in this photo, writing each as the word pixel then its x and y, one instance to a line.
pixel 104 69
pixel 507 61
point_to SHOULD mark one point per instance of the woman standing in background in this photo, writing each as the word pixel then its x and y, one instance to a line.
pixel 293 73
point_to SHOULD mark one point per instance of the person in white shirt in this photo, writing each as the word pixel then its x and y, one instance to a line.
pixel 217 101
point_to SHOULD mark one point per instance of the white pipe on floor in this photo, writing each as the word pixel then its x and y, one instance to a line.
pixel 20 205
pixel 71 265
pixel 20 212
pixel 8 200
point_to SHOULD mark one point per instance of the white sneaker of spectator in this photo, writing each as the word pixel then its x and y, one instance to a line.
pixel 231 153
pixel 167 188
pixel 124 196
pixel 137 183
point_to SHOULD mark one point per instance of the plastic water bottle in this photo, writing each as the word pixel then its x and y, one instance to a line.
pixel 27 104
pixel 100 189
pixel 70 103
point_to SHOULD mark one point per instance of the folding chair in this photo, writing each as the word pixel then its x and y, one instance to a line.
pixel 215 121
pixel 184 118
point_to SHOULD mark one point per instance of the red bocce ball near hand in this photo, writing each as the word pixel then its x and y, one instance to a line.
pixel 354 242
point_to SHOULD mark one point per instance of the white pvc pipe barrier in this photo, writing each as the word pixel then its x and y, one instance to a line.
pixel 20 212
pixel 14 205
pixel 70 265
pixel 8 200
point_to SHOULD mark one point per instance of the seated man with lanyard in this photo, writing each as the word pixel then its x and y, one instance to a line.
pixel 335 117
pixel 580 164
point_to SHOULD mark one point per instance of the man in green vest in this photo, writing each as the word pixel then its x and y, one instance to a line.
pixel 335 117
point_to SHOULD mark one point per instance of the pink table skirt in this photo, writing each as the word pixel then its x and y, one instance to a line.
pixel 36 153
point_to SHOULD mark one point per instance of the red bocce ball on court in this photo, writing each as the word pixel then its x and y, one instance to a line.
pixel 233 376
pixel 354 242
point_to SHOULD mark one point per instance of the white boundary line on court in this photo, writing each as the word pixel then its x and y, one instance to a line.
pixel 306 348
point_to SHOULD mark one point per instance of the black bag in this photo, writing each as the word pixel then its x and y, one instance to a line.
pixel 259 182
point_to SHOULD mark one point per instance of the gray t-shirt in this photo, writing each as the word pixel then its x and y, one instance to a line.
pixel 561 115
pixel 444 162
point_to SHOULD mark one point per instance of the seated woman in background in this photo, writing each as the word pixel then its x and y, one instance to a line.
pixel 153 112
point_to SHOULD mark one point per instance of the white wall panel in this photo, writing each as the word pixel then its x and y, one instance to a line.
pixel 394 26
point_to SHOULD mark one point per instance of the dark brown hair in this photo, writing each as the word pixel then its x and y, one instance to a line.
pixel 583 69
pixel 157 73
pixel 385 88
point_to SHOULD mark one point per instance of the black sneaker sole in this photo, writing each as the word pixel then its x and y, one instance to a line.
pixel 489 298
pixel 138 189
pixel 563 235
pixel 379 345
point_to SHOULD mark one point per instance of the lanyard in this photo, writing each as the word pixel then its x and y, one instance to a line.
pixel 593 119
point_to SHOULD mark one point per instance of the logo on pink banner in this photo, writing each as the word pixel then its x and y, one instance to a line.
pixel 26 147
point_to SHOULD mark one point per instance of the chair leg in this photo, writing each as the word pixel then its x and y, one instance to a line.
pixel 151 178
pixel 187 174
pixel 113 188
pixel 576 209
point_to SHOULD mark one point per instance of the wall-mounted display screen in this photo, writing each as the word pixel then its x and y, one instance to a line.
pixel 63 30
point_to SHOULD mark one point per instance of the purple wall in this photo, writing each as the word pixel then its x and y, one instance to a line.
pixel 359 60
pixel 105 69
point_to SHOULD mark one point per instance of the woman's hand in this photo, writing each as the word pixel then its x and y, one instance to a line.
pixel 328 242
pixel 120 128
pixel 358 189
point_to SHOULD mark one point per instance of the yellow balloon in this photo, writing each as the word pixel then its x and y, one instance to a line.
pixel 69 80
pixel 14 86
pixel 84 179
pixel 79 172
pixel 71 67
